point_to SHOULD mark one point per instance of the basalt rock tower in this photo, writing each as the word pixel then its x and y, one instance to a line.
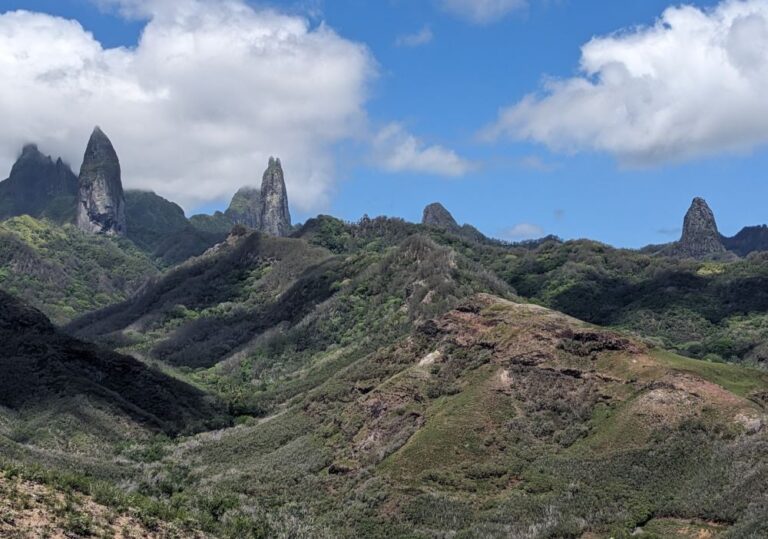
pixel 436 215
pixel 700 238
pixel 101 201
pixel 274 217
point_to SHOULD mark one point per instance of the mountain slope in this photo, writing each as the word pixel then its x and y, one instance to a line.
pixel 44 368
pixel 151 218
pixel 267 306
pixel 749 239
pixel 505 420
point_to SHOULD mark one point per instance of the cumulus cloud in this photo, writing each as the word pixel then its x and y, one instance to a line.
pixel 693 84
pixel 422 37
pixel 523 231
pixel 211 90
pixel 482 11
pixel 397 150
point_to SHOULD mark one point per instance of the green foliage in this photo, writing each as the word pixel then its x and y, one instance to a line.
pixel 151 219
pixel 65 272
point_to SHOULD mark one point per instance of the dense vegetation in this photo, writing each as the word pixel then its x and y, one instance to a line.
pixel 714 310
pixel 151 219
pixel 63 271
pixel 261 308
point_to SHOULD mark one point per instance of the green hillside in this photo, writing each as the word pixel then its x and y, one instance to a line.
pixel 495 419
pixel 503 420
pixel 63 271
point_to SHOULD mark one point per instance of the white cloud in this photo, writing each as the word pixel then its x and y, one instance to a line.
pixel 396 150
pixel 536 163
pixel 523 231
pixel 482 11
pixel 212 89
pixel 422 37
pixel 691 85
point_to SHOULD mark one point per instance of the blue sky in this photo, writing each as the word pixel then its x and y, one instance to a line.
pixel 449 88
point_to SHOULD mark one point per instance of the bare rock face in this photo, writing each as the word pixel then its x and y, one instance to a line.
pixel 700 237
pixel 436 215
pixel 101 201
pixel 274 217
pixel 245 208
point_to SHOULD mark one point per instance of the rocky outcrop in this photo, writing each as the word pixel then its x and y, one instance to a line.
pixel 274 217
pixel 38 186
pixel 101 201
pixel 436 215
pixel 245 208
pixel 700 237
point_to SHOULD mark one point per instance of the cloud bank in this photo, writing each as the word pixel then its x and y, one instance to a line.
pixel 691 85
pixel 212 89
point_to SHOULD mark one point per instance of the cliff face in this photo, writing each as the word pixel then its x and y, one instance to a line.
pixel 274 217
pixel 38 186
pixel 101 201
pixel 245 208
pixel 436 215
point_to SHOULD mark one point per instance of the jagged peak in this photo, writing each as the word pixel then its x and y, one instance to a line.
pixel 436 214
pixel 99 137
pixel 274 162
pixel 699 218
pixel 274 217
